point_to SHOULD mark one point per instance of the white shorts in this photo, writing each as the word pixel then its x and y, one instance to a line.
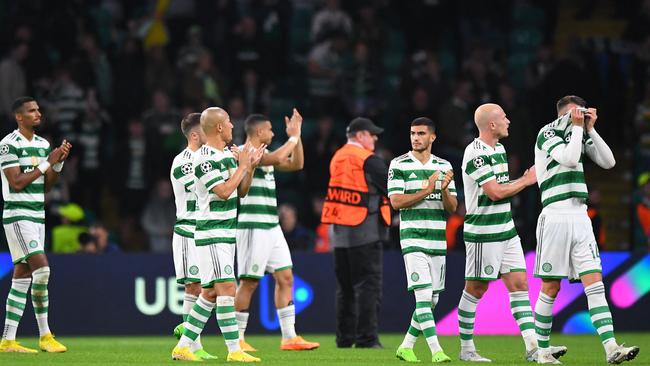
pixel 566 246
pixel 261 250
pixel 425 270
pixel 186 261
pixel 216 263
pixel 486 261
pixel 25 238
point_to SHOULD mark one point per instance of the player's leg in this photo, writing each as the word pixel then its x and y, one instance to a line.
pixel 586 261
pixel 552 257
pixel 252 254
pixel 280 264
pixel 481 266
pixel 424 315
pixel 16 302
pixel 513 274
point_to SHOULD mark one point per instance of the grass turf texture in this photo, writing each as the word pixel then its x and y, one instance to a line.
pixel 583 350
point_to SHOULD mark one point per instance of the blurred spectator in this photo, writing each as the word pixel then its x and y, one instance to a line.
pixel 237 113
pixel 454 230
pixel 161 123
pixel 330 19
pixel 247 46
pixel 12 78
pixel 319 149
pixel 95 66
pixel 370 30
pixel 65 237
pixel 102 239
pixel 129 79
pixel 326 61
pixel 66 102
pixel 256 99
pixel 88 244
pixel 362 83
pixel 189 53
pixel 456 124
pixel 298 237
pixel 158 71
pixel 202 85
pixel 641 230
pixel 159 217
pixel 133 170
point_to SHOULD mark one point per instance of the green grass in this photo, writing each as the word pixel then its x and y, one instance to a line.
pixel 583 350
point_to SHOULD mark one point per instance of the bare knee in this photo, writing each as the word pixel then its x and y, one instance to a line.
pixel 551 287
pixel 476 288
pixel 209 294
pixel 226 288
pixel 284 279
pixel 248 285
pixel 193 289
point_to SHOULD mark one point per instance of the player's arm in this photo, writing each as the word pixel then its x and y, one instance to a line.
pixel 405 200
pixel 254 160
pixel 52 175
pixel 496 191
pixel 567 154
pixel 280 158
pixel 296 160
pixel 449 200
pixel 16 178
pixel 596 148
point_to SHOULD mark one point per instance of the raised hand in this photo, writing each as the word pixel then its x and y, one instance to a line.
pixel 591 116
pixel 256 156
pixel 446 180
pixel 294 124
pixel 245 154
pixel 234 149
pixel 431 182
pixel 530 176
pixel 65 148
pixel 577 117
pixel 55 155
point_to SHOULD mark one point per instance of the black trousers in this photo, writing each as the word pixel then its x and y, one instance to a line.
pixel 358 294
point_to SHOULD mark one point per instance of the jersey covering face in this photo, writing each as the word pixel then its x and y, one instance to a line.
pixel 422 226
pixel 259 209
pixel 486 220
pixel 216 218
pixel 182 178
pixel 28 204
pixel 557 182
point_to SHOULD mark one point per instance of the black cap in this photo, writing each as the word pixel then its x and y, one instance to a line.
pixel 363 124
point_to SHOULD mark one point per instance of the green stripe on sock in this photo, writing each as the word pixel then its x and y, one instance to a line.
pixel 13 316
pixel 429 332
pixel 466 314
pixel 227 322
pixel 18 293
pixel 36 298
pixel 544 318
pixel 39 286
pixel 599 310
pixel 184 318
pixel 606 335
pixel 466 325
pixel 543 332
pixel 201 311
pixel 602 322
pixel 514 304
pixel 195 322
pixel 542 344
pixel 231 335
pixel 40 310
pixel 526 326
pixel 225 309
pixel 466 337
pixel 422 304
pixel 16 304
pixel 189 334
pixel 414 332
pixel 522 314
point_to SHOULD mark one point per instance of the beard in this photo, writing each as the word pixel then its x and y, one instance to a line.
pixel 421 149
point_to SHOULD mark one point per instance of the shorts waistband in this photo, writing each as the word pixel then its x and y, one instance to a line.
pixel 581 209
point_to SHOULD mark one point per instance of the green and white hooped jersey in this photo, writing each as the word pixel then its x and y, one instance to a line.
pixel 182 177
pixel 422 226
pixel 486 220
pixel 216 219
pixel 28 204
pixel 557 182
pixel 259 209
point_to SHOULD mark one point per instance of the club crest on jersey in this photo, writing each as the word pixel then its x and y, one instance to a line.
pixel 186 169
pixel 549 133
pixel 478 162
pixel 206 167
pixel 4 150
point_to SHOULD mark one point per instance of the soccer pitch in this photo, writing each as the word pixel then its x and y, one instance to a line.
pixel 583 350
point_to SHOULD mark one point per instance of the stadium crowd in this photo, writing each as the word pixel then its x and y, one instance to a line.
pixel 115 78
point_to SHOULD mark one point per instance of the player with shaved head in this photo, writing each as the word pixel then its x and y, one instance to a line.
pixel 219 179
pixel 492 244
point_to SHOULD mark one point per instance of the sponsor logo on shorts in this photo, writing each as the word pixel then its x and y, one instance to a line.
pixel 228 269
pixel 255 267
pixel 488 269
pixel 33 244
pixel 547 267
pixel 415 277
pixel 194 270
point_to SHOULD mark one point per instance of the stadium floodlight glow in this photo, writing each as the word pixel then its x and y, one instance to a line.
pixel 632 285
pixel 6 266
pixel 303 295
